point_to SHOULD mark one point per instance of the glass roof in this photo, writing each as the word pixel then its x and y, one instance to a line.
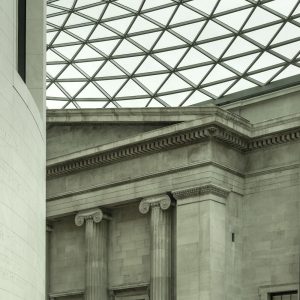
pixel 161 53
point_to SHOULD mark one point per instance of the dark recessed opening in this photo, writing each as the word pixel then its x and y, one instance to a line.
pixel 22 39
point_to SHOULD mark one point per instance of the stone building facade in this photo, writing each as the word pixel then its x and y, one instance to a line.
pixel 182 203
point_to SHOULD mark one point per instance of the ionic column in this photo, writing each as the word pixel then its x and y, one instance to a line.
pixel 96 253
pixel 160 220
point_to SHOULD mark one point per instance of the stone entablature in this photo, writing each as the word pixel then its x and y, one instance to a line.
pixel 221 127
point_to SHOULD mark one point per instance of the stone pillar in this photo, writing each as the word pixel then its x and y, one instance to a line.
pixel 160 221
pixel 96 253
pixel 200 243
pixel 49 229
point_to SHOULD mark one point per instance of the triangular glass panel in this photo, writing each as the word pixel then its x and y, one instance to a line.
pixel 218 89
pixel 52 10
pixel 289 50
pixel 154 3
pixel 218 73
pixel 91 104
pixel 106 46
pixel 175 100
pixel 131 4
pixel 82 32
pixel 54 104
pixel 50 36
pixel 150 65
pixel 90 91
pixel 68 51
pixel 129 63
pixel 114 11
pixel 235 20
pixel 126 47
pixel 87 52
pixel 241 85
pixel 264 77
pixel 133 103
pixel 204 6
pixel 241 63
pixel 70 72
pixel 195 98
pixel 152 82
pixel 155 103
pixel 171 57
pixel 194 57
pixel 131 89
pixel 57 20
pixel 297 10
pixel 260 17
pixel 93 12
pixel 64 3
pixel 225 5
pixel 161 15
pixel 216 48
pixel 288 72
pixel 240 46
pixel 168 40
pixel 288 32
pixel 101 32
pixel 54 91
pixel 183 13
pixel 52 56
pixel 195 75
pixel 174 83
pixel 212 30
pixel 265 60
pixel 111 86
pixel 189 31
pixel 121 25
pixel 72 87
pixel 109 69
pixel 284 7
pixel 86 2
pixel 89 67
pixel 64 38
pixel 53 70
pixel 75 20
pixel 264 35
pixel 141 24
pixel 146 40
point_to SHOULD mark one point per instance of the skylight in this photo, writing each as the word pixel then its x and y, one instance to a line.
pixel 162 53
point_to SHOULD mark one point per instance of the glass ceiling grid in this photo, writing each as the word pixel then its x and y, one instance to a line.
pixel 149 53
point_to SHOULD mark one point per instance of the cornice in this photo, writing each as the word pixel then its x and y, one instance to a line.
pixel 201 190
pixel 147 147
pixel 218 132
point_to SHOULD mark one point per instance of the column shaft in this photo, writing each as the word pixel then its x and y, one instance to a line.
pixel 96 260
pixel 160 254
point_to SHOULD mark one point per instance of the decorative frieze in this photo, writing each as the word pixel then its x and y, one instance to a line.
pixel 201 190
pixel 157 144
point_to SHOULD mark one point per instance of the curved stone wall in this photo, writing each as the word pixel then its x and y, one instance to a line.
pixel 22 165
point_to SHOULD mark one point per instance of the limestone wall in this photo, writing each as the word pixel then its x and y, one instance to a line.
pixel 22 163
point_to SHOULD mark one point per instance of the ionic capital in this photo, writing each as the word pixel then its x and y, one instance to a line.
pixel 95 214
pixel 163 201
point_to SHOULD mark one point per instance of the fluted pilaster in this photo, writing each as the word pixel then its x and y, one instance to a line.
pixel 96 253
pixel 160 222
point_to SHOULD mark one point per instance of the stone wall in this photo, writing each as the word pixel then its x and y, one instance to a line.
pixel 22 166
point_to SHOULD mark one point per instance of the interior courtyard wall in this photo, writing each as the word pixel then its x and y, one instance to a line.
pixel 22 170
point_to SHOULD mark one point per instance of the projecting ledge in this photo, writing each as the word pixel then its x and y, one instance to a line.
pixel 208 192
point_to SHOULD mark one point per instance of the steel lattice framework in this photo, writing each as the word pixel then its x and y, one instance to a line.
pixel 151 53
